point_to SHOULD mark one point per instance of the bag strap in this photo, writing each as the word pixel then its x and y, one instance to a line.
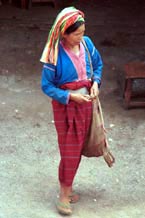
pixel 90 60
pixel 89 57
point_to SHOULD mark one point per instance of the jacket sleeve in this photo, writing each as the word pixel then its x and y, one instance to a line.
pixel 96 59
pixel 49 85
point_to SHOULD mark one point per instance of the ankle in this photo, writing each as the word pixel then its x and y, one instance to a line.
pixel 64 199
pixel 65 191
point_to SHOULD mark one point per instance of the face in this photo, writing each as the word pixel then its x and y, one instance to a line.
pixel 75 37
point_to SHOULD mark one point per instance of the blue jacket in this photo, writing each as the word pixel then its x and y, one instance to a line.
pixel 54 76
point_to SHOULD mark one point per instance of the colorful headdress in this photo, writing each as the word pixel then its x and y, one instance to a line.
pixel 65 18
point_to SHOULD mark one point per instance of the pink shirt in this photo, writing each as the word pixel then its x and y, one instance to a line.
pixel 78 61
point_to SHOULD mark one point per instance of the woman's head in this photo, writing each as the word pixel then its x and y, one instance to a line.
pixel 73 34
pixel 67 22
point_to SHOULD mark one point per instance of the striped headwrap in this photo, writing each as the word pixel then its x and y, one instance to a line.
pixel 65 18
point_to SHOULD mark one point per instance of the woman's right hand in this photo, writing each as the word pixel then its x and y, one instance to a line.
pixel 79 98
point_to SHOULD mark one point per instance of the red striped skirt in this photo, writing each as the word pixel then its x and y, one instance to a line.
pixel 72 122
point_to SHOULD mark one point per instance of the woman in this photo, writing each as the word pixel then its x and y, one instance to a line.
pixel 66 78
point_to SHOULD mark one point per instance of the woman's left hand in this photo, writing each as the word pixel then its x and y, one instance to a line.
pixel 94 91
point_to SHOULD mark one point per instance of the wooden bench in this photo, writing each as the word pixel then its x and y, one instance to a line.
pixel 134 71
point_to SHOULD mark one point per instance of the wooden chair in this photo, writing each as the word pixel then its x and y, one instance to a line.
pixel 134 71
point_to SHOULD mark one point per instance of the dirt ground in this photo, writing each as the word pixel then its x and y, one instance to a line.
pixel 28 150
